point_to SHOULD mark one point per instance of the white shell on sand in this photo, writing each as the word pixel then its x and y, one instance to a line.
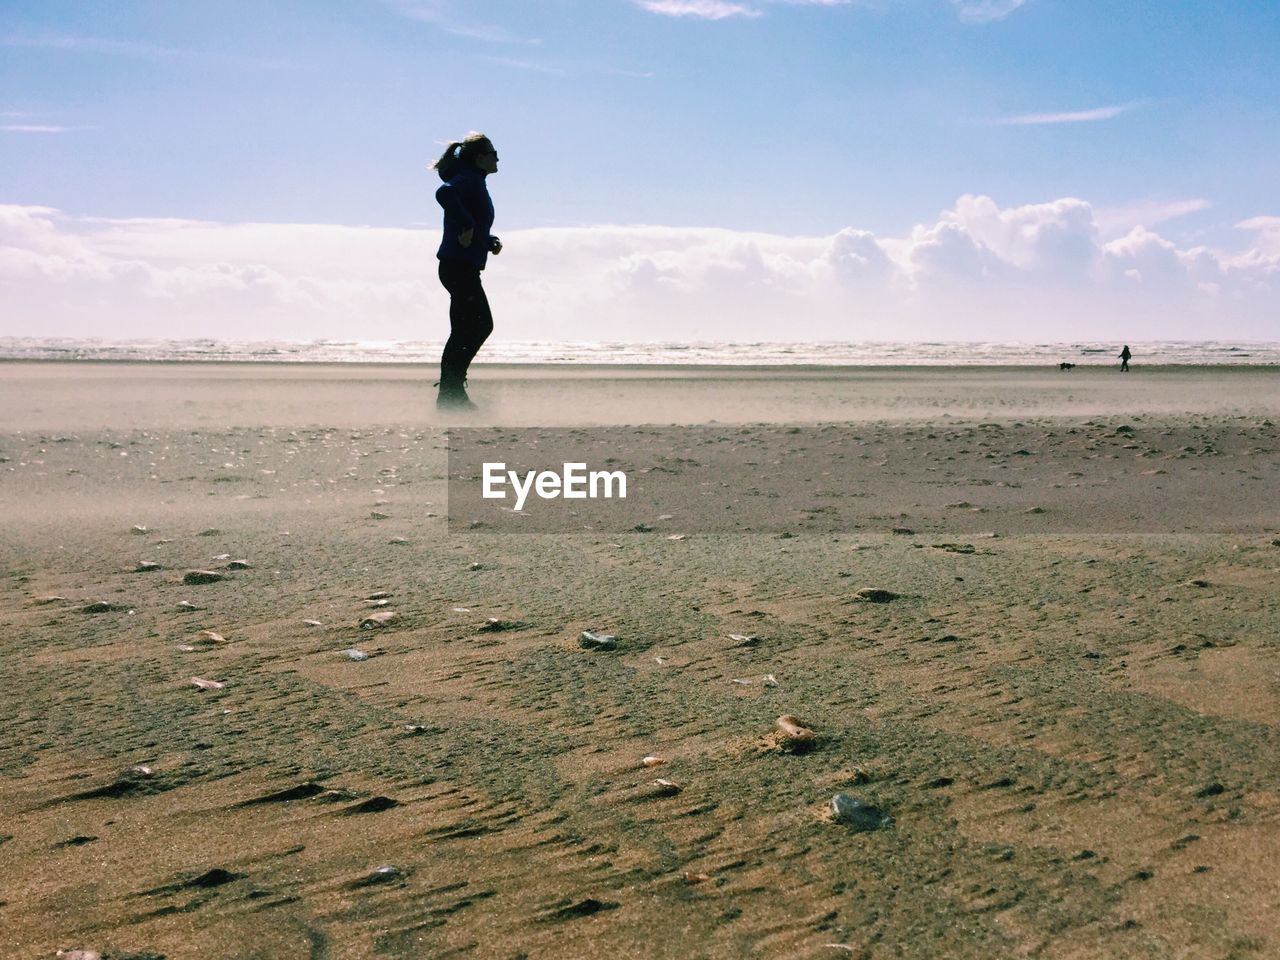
pixel 187 605
pixel 376 603
pixel 78 955
pixel 145 566
pixel 313 623
pixel 221 556
pixel 380 619
pixel 202 684
pixel 351 653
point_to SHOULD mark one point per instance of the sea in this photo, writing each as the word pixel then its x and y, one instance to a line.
pixel 715 353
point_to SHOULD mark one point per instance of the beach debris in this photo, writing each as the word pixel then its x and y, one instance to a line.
pixel 376 603
pixel 102 606
pixel 678 536
pixel 379 515
pixel 855 813
pixel 1196 582
pixel 743 640
pixel 78 955
pixel 741 683
pixel 770 680
pixel 138 530
pixel 221 556
pixel 476 565
pixel 874 595
pixel 793 735
pixel 415 728
pixel 692 878
pixel 660 660
pixel 398 541
pixel 202 684
pixel 665 516
pixel 141 771
pixel 187 606
pixel 596 640
pixel 351 653
pixel 186 648
pixel 45 601
pixel 381 619
pixel 312 623
pixel 146 566
pixel 209 638
pixel 387 873
pixel 195 577
pixel 379 595
pixel 460 609
pixel 239 565
pixel 652 761
pixel 665 788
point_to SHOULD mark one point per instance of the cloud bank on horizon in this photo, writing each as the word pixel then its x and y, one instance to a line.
pixel 979 272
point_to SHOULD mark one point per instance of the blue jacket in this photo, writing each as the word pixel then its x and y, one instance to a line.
pixel 466 203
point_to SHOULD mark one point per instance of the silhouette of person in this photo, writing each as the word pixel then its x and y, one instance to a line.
pixel 467 243
pixel 1124 359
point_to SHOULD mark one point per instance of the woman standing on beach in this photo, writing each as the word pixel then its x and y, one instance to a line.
pixel 1124 359
pixel 467 243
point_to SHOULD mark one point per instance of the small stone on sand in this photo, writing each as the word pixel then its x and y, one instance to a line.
pixel 398 540
pixel 202 684
pixel 874 595
pixel 743 640
pixel 139 530
pixel 353 654
pixel 652 761
pixel 665 788
pixel 794 735
pixel 239 565
pixel 210 637
pixel 187 605
pixel 593 640
pixel 201 576
pixel 101 606
pixel 376 603
pixel 312 623
pixel 855 813
pixel 146 566
pixel 380 619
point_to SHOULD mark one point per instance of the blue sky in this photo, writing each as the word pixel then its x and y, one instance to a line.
pixel 779 117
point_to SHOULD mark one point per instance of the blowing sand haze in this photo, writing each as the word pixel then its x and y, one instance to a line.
pixel 991 714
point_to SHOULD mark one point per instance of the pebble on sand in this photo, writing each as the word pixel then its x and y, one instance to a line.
pixel 874 595
pixel 381 619
pixel 138 530
pixel 666 788
pixel 794 735
pixel 373 604
pixel 398 540
pixel 855 813
pixel 210 637
pixel 312 623
pixel 743 640
pixel 146 566
pixel 201 576
pixel 351 653
pixel 652 761
pixel 595 640
pixel 78 955
pixel 187 606
pixel 239 565
pixel 202 684
pixel 383 874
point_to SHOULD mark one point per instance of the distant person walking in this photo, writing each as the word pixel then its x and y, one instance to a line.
pixel 1124 359
pixel 467 243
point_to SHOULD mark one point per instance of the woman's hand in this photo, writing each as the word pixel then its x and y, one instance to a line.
pixel 465 236
pixel 495 246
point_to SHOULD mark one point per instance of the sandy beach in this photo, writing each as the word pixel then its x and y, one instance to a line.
pixel 1038 641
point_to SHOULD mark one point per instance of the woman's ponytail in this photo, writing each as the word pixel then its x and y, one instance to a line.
pixel 448 161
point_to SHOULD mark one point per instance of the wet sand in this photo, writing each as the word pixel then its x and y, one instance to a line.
pixel 1067 716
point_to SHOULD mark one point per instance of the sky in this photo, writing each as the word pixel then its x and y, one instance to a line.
pixel 1036 170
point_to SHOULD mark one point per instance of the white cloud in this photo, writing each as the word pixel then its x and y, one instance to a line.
pixel 1146 213
pixel 445 15
pixel 985 11
pixel 38 128
pixel 978 271
pixel 700 9
pixel 1069 116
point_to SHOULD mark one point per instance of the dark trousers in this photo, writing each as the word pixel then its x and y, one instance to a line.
pixel 470 321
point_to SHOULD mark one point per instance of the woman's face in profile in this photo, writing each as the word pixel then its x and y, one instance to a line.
pixel 488 161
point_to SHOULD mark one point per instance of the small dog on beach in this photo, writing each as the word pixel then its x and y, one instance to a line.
pixel 1066 366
